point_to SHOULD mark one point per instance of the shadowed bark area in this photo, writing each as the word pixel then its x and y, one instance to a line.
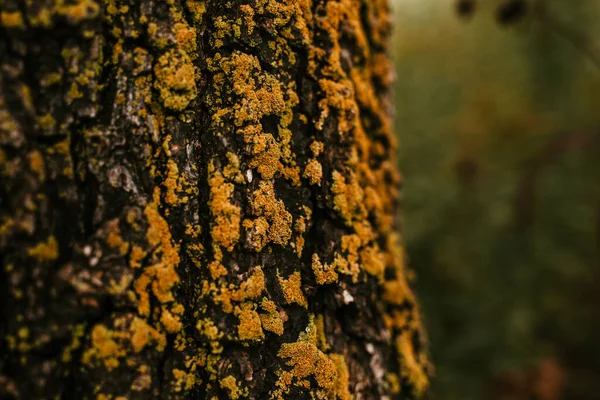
pixel 198 200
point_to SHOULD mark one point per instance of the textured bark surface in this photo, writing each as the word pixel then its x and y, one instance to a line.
pixel 198 200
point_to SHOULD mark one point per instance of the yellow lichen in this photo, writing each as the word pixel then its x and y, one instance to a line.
pixel 306 361
pixel 313 172
pixel 106 347
pixel 183 380
pixel 78 11
pixel 343 376
pixel 170 322
pixel 324 274
pixel 225 230
pixel 136 256
pixel 272 211
pixel 252 288
pixel 176 79
pixel 230 383
pixel 46 121
pixel 413 367
pixel 249 326
pixel 373 261
pixel 142 334
pixel 348 198
pixel 12 19
pixel 37 165
pixel 292 289
pixel 45 251
pixel 114 238
pixel 207 329
pixel 271 320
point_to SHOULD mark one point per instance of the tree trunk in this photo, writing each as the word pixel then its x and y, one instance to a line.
pixel 198 200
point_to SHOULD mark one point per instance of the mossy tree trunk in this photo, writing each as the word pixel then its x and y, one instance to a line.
pixel 198 200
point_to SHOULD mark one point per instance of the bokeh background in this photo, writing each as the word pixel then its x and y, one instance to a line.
pixel 499 139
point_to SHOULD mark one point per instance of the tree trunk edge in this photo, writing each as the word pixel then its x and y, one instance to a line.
pixel 199 200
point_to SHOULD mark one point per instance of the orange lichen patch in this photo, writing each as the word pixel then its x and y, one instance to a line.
pixel 225 230
pixel 165 255
pixel 143 297
pixel 267 154
pixel 143 334
pixel 171 322
pixel 79 11
pixel 36 164
pixel 412 366
pixel 348 198
pixel 265 205
pixel 313 172
pixel 249 327
pixel 114 238
pixel 393 383
pixel 46 121
pixel 217 269
pixel 26 98
pixel 397 291
pixel 339 96
pixel 171 183
pixel 136 255
pixel 400 319
pixel 197 9
pixel 257 230
pixel 12 19
pixel 316 147
pixel 252 288
pixel 45 251
pixel 106 347
pixel 324 274
pixel 232 172
pixel 248 13
pixel 271 320
pixel 76 335
pixel 230 383
pixel 207 329
pixel 292 289
pixel 307 360
pixel 343 376
pixel 300 228
pixel 185 36
pixel 373 261
pixel 176 79
pixel 260 92
pixel 220 295
pixel 118 288
pixel 183 380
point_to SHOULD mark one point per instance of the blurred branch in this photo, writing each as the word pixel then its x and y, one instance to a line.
pixel 580 40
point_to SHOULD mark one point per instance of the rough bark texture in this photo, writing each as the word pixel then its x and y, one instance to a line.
pixel 198 200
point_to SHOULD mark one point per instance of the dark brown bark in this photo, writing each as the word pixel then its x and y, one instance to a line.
pixel 198 200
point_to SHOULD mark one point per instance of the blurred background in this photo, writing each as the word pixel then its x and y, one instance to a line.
pixel 499 131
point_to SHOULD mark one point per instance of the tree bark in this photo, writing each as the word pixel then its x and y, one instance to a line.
pixel 198 200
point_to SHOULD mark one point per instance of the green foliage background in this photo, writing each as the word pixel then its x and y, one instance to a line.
pixel 499 138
